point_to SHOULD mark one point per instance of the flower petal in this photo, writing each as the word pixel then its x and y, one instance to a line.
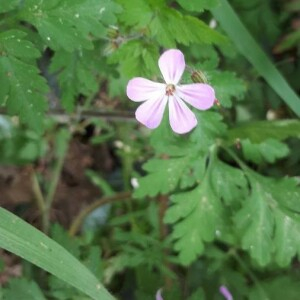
pixel 151 112
pixel 182 119
pixel 172 65
pixel 158 295
pixel 199 95
pixel 225 292
pixel 141 89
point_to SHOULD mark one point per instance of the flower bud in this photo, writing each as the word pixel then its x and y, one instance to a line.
pixel 198 77
pixel 113 32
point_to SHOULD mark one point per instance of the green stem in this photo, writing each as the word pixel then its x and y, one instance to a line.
pixel 237 159
pixel 52 189
pixel 254 279
pixel 76 224
pixel 39 198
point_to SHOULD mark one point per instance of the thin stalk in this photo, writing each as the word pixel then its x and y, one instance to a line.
pixel 163 201
pixel 254 279
pixel 52 189
pixel 38 195
pixel 77 222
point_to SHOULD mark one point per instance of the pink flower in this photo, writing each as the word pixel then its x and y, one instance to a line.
pixel 157 95
pixel 225 292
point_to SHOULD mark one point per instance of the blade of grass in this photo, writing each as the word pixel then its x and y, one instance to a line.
pixel 31 244
pixel 248 47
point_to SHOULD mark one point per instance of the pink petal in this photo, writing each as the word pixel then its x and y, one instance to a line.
pixel 141 89
pixel 172 65
pixel 151 112
pixel 158 295
pixel 225 292
pixel 199 95
pixel 182 119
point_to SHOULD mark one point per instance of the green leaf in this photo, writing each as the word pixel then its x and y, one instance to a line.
pixel 245 43
pixel 47 254
pixel 259 131
pixel 198 295
pixel 24 89
pixel 269 220
pixel 209 130
pixel 269 151
pixel 77 74
pixel 227 86
pixel 163 176
pixel 9 5
pixel 62 237
pixel 286 245
pixel 189 29
pixel 196 217
pixel 278 288
pixel 233 188
pixel 19 146
pixel 291 40
pixel 20 288
pixel 135 13
pixel 67 24
pixel 197 5
pixel 256 222
pixel 139 58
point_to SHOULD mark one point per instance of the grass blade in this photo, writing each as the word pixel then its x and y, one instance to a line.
pixel 248 47
pixel 31 244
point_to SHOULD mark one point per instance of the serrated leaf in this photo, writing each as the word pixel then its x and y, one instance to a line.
pixel 234 187
pixel 189 29
pixel 138 58
pixel 259 131
pixel 227 86
pixel 163 176
pixel 195 215
pixel 267 151
pixel 268 222
pixel 256 222
pixel 68 24
pixel 77 74
pixel 286 245
pixel 210 128
pixel 25 88
pixel 135 13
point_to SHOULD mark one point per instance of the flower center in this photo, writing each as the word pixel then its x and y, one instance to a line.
pixel 170 88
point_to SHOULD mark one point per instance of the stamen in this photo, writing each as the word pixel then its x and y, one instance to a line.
pixel 170 88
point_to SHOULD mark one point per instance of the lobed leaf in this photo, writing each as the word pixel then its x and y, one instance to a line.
pixel 23 89
pixel 269 220
pixel 269 151
pixel 163 176
pixel 196 215
pixel 67 24
pixel 259 131
pixel 77 74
